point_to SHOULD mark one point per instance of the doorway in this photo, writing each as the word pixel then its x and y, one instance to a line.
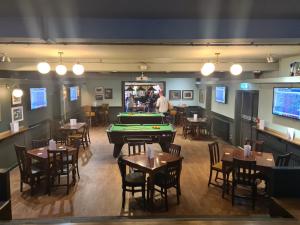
pixel 246 111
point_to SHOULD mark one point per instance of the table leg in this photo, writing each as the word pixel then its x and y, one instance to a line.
pixel 224 179
pixel 150 191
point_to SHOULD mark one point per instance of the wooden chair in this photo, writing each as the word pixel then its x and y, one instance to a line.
pixel 283 160
pixel 103 113
pixel 136 148
pixel 39 143
pixel 131 182
pixel 205 128
pixel 82 136
pixel 28 174
pixel 244 173
pixel 57 134
pixel 59 164
pixel 216 164
pixel 89 114
pixel 75 144
pixel 174 149
pixel 170 178
pixel 187 128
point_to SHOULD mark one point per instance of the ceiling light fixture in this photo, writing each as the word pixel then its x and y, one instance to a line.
pixel 5 58
pixel 61 69
pixel 78 69
pixel 209 68
pixel 270 59
pixel 17 93
pixel 43 67
pixel 236 69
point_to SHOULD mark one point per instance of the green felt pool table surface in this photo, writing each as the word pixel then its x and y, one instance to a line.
pixel 144 127
pixel 130 114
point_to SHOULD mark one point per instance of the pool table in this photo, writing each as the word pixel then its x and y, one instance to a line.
pixel 140 118
pixel 119 134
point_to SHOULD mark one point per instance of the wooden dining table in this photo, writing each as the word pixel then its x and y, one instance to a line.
pixel 197 124
pixel 69 127
pixel 264 161
pixel 150 166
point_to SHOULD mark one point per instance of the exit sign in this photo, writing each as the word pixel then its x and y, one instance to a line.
pixel 244 86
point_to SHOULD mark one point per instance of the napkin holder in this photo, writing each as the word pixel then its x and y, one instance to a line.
pixel 247 150
pixel 14 127
pixel 73 122
pixel 195 116
pixel 261 125
pixel 150 153
pixel 291 133
pixel 52 145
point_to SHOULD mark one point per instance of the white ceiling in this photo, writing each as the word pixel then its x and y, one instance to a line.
pixel 123 58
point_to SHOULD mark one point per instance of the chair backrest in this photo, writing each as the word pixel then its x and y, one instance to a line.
pixel 58 159
pixel 283 160
pixel 105 107
pixel 257 145
pixel 243 172
pixel 174 149
pixel 173 172
pixel 136 148
pixel 75 143
pixel 39 143
pixel 122 168
pixel 22 160
pixel 87 108
pixel 214 153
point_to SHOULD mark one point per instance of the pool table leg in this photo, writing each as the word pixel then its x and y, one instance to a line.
pixel 117 150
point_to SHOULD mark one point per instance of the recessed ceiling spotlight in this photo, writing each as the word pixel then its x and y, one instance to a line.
pixel 5 58
pixel 270 59
pixel 236 69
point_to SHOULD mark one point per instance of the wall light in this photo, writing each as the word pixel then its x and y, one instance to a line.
pixel 43 67
pixel 236 69
pixel 207 69
pixel 61 69
pixel 78 69
pixel 17 93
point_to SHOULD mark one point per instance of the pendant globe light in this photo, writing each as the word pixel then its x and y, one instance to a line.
pixel 43 67
pixel 208 68
pixel 78 69
pixel 236 69
pixel 61 69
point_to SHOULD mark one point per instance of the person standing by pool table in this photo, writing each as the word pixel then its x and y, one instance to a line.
pixel 129 103
pixel 162 104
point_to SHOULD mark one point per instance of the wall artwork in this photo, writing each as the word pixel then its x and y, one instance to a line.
pixel 174 94
pixel 201 95
pixel 188 94
pixel 99 97
pixel 17 113
pixel 99 91
pixel 16 100
pixel 108 93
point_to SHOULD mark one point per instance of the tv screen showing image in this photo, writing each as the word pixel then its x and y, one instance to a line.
pixel 38 98
pixel 286 102
pixel 73 93
pixel 221 94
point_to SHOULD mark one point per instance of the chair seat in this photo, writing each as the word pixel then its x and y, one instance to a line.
pixel 78 135
pixel 135 178
pixel 218 166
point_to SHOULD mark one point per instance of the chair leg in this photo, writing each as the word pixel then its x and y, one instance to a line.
pixel 254 190
pixel 177 193
pixel 143 196
pixel 166 199
pixel 216 178
pixel 232 195
pixel 209 179
pixel 21 185
pixel 68 183
pixel 123 199
pixel 77 169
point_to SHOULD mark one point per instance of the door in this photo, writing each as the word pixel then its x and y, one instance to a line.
pixel 246 112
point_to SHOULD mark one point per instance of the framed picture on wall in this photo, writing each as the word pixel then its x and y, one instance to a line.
pixel 99 97
pixel 201 95
pixel 174 94
pixel 108 93
pixel 17 113
pixel 16 100
pixel 99 90
pixel 188 94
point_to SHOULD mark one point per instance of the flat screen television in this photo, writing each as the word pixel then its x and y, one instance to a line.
pixel 38 98
pixel 73 93
pixel 221 92
pixel 286 102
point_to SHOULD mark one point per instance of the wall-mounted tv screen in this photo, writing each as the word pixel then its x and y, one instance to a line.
pixel 286 102
pixel 38 98
pixel 221 94
pixel 73 93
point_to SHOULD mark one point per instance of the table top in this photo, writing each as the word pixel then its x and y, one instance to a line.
pixel 263 159
pixel 198 120
pixel 150 165
pixel 136 114
pixel 68 126
pixel 42 152
pixel 141 127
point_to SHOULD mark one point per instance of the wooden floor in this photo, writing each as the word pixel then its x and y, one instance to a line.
pixel 98 192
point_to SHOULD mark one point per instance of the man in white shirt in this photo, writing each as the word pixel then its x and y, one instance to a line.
pixel 162 103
